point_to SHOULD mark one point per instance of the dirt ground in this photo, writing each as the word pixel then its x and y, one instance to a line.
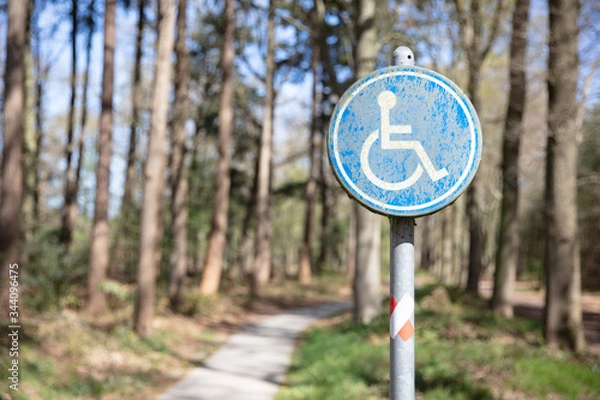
pixel 529 302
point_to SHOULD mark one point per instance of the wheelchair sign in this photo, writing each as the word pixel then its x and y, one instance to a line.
pixel 404 141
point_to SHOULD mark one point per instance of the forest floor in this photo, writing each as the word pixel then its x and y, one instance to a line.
pixel 64 354
pixel 463 352
pixel 528 301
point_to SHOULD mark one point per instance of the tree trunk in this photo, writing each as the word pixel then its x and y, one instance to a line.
pixel 11 186
pixel 471 25
pixel 69 211
pixel 352 240
pixel 262 260
pixel 84 99
pixel 154 173
pixel 128 192
pixel 563 319
pixel 39 196
pixel 100 240
pixel 428 243
pixel 367 278
pixel 305 268
pixel 29 143
pixel 460 241
pixel 474 206
pixel 213 262
pixel 121 255
pixel 508 237
pixel 328 214
pixel 179 169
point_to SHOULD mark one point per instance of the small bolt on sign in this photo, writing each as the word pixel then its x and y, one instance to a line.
pixel 400 313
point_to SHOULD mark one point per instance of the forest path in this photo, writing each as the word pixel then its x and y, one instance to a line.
pixel 529 302
pixel 253 363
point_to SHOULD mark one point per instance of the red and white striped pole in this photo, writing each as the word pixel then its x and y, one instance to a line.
pixel 402 305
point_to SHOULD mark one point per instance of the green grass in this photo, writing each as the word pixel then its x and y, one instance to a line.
pixel 464 352
pixel 339 363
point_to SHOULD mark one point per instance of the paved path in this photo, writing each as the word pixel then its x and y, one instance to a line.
pixel 253 363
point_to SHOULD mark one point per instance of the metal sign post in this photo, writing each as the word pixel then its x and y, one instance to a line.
pixel 404 141
pixel 402 293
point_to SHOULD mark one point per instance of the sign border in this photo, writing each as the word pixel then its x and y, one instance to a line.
pixel 435 204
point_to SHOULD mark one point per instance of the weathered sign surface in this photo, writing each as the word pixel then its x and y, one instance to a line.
pixel 404 141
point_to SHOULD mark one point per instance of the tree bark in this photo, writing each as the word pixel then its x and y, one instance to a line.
pixel 508 237
pixel 100 240
pixel 11 186
pixel 179 169
pixel 69 211
pixel 305 268
pixel 154 173
pixel 213 262
pixel 367 278
pixel 563 319
pixel 262 260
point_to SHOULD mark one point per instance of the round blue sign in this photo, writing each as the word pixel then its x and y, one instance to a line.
pixel 404 141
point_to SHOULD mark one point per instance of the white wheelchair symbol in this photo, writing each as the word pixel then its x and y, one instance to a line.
pixel 387 101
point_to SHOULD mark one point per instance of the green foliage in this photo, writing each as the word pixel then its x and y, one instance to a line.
pixel 588 193
pixel 51 276
pixel 531 229
pixel 198 305
pixel 464 352
pixel 335 245
pixel 589 200
pixel 125 233
pixel 119 294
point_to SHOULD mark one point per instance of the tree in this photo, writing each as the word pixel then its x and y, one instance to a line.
pixel 367 277
pixel 100 241
pixel 11 186
pixel 70 200
pixel 179 169
pixel 39 192
pixel 562 317
pixel 477 45
pixel 262 261
pixel 508 236
pixel 90 24
pixel 128 211
pixel 305 269
pixel 213 262
pixel 73 173
pixel 29 142
pixel 154 177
